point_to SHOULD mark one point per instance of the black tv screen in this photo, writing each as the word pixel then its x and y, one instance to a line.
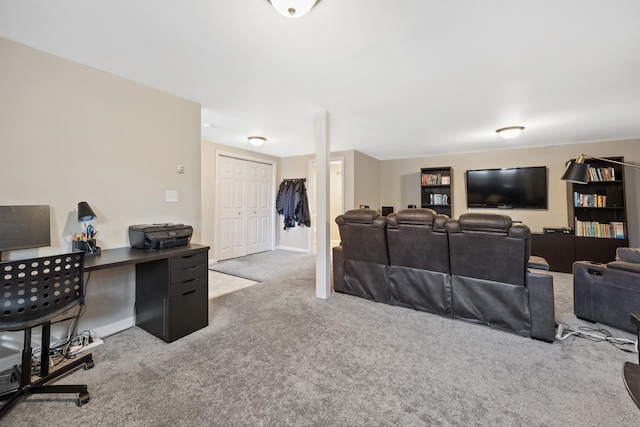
pixel 23 227
pixel 512 188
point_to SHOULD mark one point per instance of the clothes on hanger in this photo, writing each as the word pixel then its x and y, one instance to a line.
pixel 291 202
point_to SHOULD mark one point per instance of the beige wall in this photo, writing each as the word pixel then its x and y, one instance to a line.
pixel 335 199
pixel 366 181
pixel 71 133
pixel 400 184
pixel 208 177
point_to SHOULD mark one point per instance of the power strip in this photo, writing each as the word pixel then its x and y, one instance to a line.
pixel 79 349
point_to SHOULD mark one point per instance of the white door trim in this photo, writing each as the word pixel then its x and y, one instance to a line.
pixel 312 198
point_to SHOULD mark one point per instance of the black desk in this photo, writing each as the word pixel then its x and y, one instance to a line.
pixel 171 286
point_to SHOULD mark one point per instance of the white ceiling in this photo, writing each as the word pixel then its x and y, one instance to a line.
pixel 399 78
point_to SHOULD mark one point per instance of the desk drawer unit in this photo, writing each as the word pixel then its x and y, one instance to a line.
pixel 171 295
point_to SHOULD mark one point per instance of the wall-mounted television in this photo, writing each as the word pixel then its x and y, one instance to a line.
pixel 509 188
pixel 23 227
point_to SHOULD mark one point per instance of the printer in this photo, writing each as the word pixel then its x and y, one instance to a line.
pixel 159 236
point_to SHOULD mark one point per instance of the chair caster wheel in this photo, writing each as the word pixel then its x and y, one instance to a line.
pixel 89 365
pixel 83 398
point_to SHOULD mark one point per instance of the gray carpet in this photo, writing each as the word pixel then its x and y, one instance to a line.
pixel 275 355
pixel 261 266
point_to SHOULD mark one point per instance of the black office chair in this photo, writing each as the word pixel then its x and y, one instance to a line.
pixel 35 291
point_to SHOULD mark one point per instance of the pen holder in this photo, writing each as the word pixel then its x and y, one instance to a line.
pixel 89 246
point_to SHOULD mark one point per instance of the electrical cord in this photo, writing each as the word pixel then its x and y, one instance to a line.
pixel 597 335
pixel 61 350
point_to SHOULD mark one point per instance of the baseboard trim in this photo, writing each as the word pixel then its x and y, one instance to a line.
pixel 289 248
pixel 115 327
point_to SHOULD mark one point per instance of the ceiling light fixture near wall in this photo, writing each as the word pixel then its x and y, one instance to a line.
pixel 257 141
pixel 510 132
pixel 293 8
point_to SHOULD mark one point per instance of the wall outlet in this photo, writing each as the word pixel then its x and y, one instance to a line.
pixel 171 195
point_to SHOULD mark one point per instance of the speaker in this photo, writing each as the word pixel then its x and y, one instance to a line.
pixel 561 230
pixel 386 210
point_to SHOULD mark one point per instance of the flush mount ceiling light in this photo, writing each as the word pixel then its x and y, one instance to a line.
pixel 257 141
pixel 293 8
pixel 510 132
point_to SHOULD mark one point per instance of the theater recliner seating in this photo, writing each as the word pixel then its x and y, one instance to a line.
pixel 491 282
pixel 363 255
pixel 491 278
pixel 419 275
pixel 608 293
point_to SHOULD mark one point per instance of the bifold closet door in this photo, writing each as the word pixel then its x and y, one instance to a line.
pixel 245 207
pixel 232 208
pixel 260 207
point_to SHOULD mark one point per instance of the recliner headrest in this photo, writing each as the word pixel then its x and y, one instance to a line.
pixel 485 223
pixel 362 217
pixel 422 216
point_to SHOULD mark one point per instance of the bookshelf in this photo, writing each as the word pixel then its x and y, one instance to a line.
pixel 598 211
pixel 598 207
pixel 436 189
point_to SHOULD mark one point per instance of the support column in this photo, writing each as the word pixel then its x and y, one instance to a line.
pixel 323 257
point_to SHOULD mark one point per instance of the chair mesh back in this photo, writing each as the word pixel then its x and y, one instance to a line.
pixel 38 289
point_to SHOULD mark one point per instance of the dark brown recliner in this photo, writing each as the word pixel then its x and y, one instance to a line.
pixel 361 264
pixel 491 281
pixel 419 275
pixel 608 293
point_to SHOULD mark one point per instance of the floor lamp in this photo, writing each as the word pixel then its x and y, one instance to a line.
pixel 578 171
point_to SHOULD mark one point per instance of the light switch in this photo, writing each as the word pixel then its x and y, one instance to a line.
pixel 171 196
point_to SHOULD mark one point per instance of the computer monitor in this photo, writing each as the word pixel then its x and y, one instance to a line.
pixel 23 227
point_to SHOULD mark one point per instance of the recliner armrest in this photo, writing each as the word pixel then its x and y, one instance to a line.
pixel 541 304
pixel 635 319
pixel 538 262
pixel 624 265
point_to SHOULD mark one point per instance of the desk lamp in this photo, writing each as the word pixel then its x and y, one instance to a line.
pixel 85 213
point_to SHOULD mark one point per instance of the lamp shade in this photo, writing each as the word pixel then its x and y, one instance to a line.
pixel 85 213
pixel 576 172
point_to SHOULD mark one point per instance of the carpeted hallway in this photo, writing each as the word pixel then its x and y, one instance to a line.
pixel 273 355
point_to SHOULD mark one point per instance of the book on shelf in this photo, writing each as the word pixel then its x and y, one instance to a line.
pixel 438 199
pixel 602 174
pixel 589 200
pixel 618 229
pixel 435 179
pixel 611 230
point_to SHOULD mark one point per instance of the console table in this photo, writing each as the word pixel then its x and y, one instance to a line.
pixel 562 250
pixel 171 286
